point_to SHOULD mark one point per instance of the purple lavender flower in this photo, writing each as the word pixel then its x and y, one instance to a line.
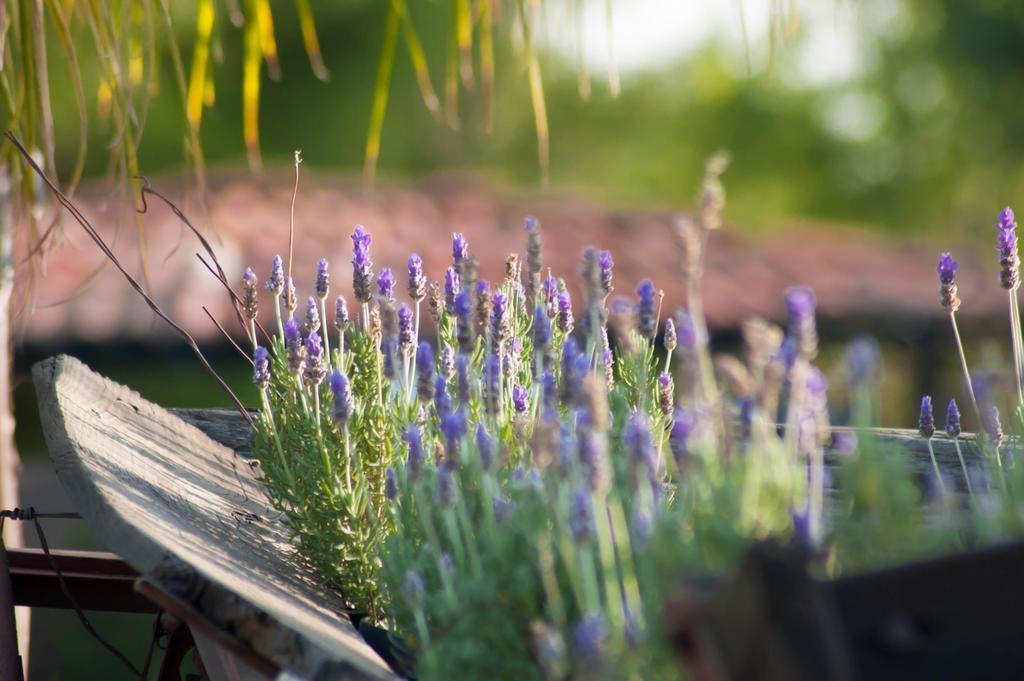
pixel 590 644
pixel 425 372
pixel 451 289
pixel 462 388
pixel 800 303
pixel 453 427
pixel 946 268
pixel 685 330
pixel 389 355
pixel 442 403
pixel 500 328
pixel 250 301
pixel 288 296
pixel 549 293
pixel 293 342
pixel 926 422
pixel 571 377
pixel 406 334
pixel 341 314
pixel 448 361
pixel 312 324
pixel 670 339
pixel 637 439
pixel 261 368
pixel 343 405
pixel 541 332
pixel 1006 247
pixel 417 280
pixel 445 493
pixel 416 457
pixel 683 425
pixel 665 393
pixel 492 384
pixel 484 447
pixel 463 321
pixel 275 282
pixel 315 370
pixel 646 310
pixel 549 394
pixel 606 263
pixel 534 257
pixel 519 399
pixel 460 248
pixel 390 484
pixel 386 284
pixel 483 304
pixel 323 280
pixel 362 266
pixel 564 319
pixel 952 420
pixel 413 590
pixel 581 518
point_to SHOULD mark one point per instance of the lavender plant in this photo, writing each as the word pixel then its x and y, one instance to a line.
pixel 519 492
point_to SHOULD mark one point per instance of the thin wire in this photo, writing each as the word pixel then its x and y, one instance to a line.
pixel 30 514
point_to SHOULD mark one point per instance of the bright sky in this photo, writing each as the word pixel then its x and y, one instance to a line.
pixel 651 32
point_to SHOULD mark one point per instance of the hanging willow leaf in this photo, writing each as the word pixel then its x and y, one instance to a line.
pixel 59 20
pixel 267 42
pixel 200 59
pixel 451 71
pixel 487 63
pixel 380 94
pixel 613 67
pixel 464 28
pixel 252 61
pixel 540 114
pixel 584 77
pixel 309 38
pixel 418 59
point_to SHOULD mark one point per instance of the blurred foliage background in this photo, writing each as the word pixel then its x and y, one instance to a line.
pixel 896 114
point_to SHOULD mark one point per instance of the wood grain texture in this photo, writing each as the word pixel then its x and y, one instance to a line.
pixel 187 512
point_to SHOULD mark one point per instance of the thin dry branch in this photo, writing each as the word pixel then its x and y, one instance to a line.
pixel 98 240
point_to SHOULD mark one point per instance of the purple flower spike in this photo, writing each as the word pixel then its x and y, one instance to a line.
pixel 519 399
pixel 637 438
pixel 445 493
pixel 683 425
pixel 292 331
pixel 926 422
pixel 946 268
pixel 800 303
pixel 666 395
pixel 386 284
pixel 425 372
pixel 362 266
pixel 646 310
pixel 1006 219
pixel 312 324
pixel 343 405
pixel 314 347
pixel 453 427
pixel 442 403
pixel 500 325
pixel 250 300
pixel 606 264
pixel 275 282
pixel 414 462
pixel 293 342
pixel 484 447
pixel 460 248
pixel 549 292
pixel 323 280
pixel 993 428
pixel 390 484
pixel 464 321
pixel 417 280
pixel 451 289
pixel 492 384
pixel 549 393
pixel 406 334
pixel 564 318
pixel 462 389
pixel 541 330
pixel 340 314
pixel 952 420
pixel 261 368
pixel 581 519
pixel 590 644
pixel 1006 246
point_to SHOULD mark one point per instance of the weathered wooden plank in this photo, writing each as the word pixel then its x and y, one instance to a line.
pixel 192 516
